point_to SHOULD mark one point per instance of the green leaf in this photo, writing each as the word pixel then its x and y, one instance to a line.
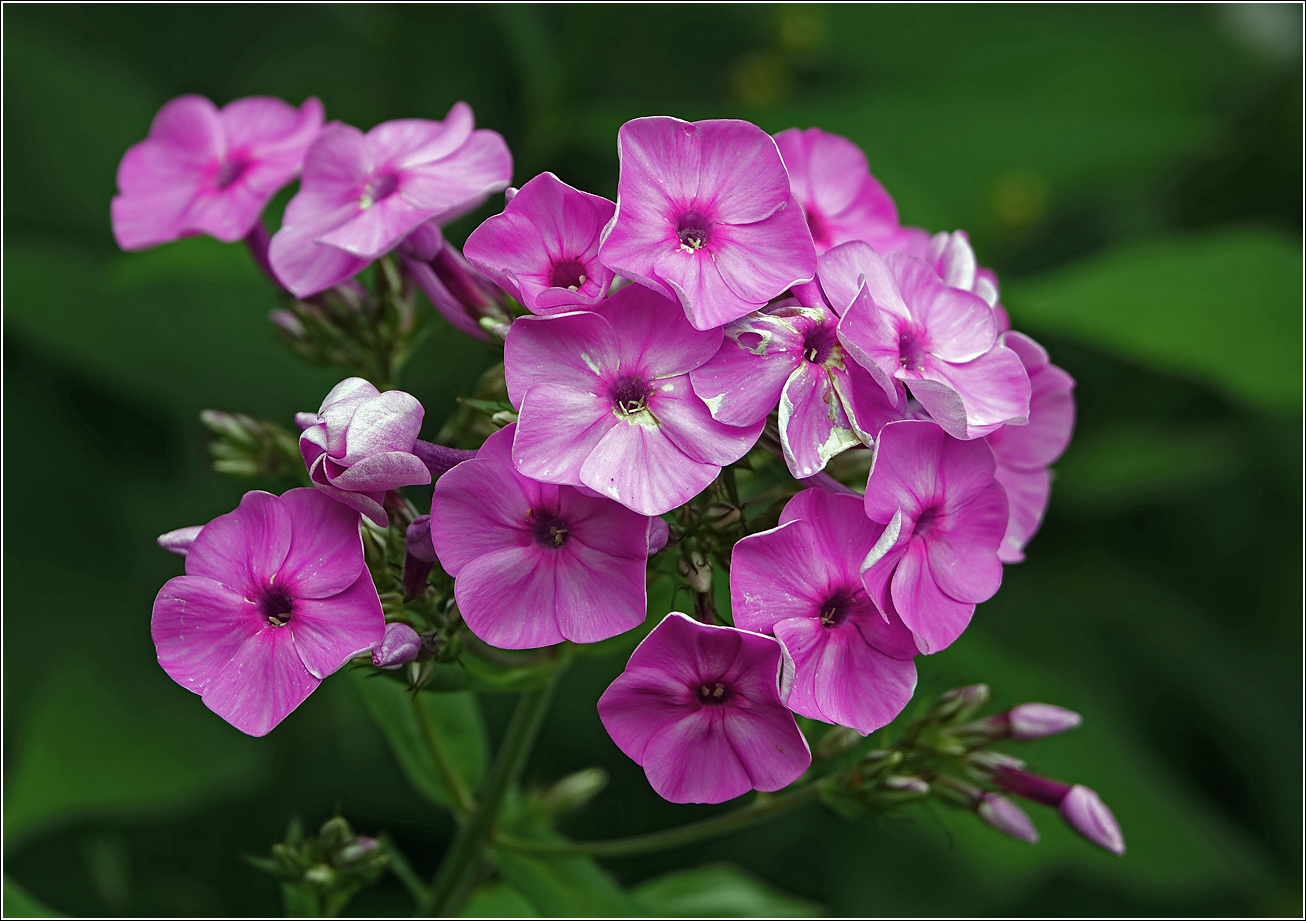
pixel 455 721
pixel 721 891
pixel 1224 308
pixel 570 886
pixel 92 749
pixel 497 900
pixel 19 903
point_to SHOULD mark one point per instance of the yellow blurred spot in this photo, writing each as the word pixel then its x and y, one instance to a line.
pixel 1019 197
pixel 802 28
pixel 760 79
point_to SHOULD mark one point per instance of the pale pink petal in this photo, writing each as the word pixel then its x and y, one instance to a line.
pixel 959 324
pixel 244 549
pixel 576 350
pixel 933 616
pixel 197 626
pixel 480 507
pixel 685 420
pixel 760 260
pixel 640 467
pixel 326 550
pixel 963 549
pixel 1027 498
pixel 780 574
pixel 741 383
pixel 813 425
pixel 262 684
pixel 508 597
pixel 559 430
pixel 597 595
pixel 654 340
pixel 994 389
pixel 330 631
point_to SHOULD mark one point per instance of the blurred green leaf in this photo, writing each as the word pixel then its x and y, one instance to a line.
pixel 1225 308
pixel 497 900
pixel 1130 463
pixel 19 903
pixel 455 720
pixel 90 749
pixel 570 886
pixel 719 891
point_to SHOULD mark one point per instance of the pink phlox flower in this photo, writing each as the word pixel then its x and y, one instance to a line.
pixel 789 354
pixel 705 216
pixel 802 582
pixel 841 200
pixel 701 709
pixel 275 598
pixel 945 515
pixel 360 194
pixel 536 563
pixel 605 402
pixel 953 259
pixel 901 322
pixel 1080 807
pixel 544 248
pixel 359 445
pixel 1024 452
pixel 205 170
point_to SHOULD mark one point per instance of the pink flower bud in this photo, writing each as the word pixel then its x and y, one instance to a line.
pixel 419 539
pixel 1036 721
pixel 399 647
pixel 1008 818
pixel 179 541
pixel 1085 812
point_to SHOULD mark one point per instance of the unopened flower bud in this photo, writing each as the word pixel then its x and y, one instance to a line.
pixel 575 790
pixel 418 539
pixel 320 875
pixel 696 570
pixel 960 703
pixel 906 784
pixel 720 516
pixel 504 417
pixel 1037 721
pixel 356 850
pixel 287 322
pixel 1008 818
pixel 400 646
pixel 179 541
pixel 1085 812
pixel 990 761
pixel 837 740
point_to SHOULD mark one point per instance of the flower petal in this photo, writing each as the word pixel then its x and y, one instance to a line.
pixel 326 549
pixel 198 625
pixel 243 549
pixel 264 682
pixel 643 469
pixel 330 631
pixel 558 431
pixel 933 616
pixel 507 598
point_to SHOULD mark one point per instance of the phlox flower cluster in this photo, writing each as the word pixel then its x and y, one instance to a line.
pixel 742 289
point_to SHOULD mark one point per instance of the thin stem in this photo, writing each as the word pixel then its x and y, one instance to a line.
pixel 464 855
pixel 762 807
pixel 402 869
pixel 463 801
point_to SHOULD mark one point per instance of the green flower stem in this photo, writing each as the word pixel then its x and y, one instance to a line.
pixel 460 864
pixel 403 870
pixel 764 806
pixel 463 801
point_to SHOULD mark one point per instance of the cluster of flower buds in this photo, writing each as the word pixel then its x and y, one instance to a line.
pixel 743 289
pixel 946 754
pixel 320 873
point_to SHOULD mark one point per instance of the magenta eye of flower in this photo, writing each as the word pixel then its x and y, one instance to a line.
pixel 378 188
pixel 631 396
pixel 569 274
pixel 816 224
pixel 927 520
pixel 835 608
pixel 715 693
pixel 694 231
pixel 912 349
pixel 550 530
pixel 231 169
pixel 818 346
pixel 276 605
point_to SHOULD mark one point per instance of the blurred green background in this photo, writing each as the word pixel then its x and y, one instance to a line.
pixel 1132 173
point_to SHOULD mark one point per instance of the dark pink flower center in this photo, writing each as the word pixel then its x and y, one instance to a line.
pixel 569 274
pixel 550 530
pixel 276 605
pixel 836 607
pixel 232 168
pixel 630 396
pixel 819 343
pixel 816 224
pixel 927 521
pixel 912 348
pixel 714 693
pixel 377 189
pixel 693 230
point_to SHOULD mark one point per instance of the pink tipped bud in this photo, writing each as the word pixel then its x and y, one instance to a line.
pixel 1037 721
pixel 179 541
pixel 1006 817
pixel 399 647
pixel 1085 812
pixel 1031 786
pixel 418 539
pixel 287 322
